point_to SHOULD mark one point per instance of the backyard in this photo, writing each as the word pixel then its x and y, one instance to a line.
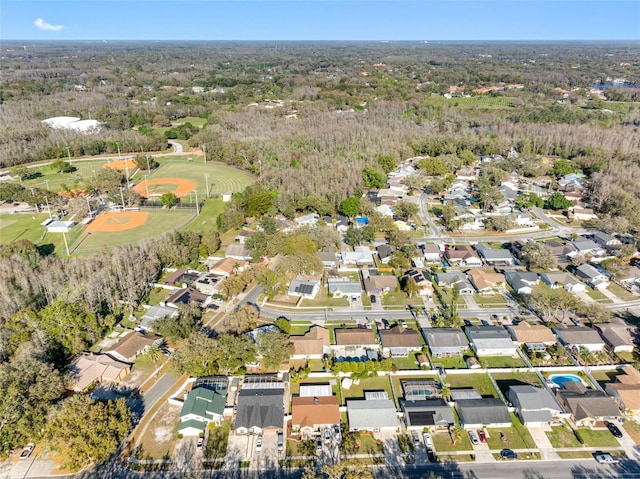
pixel 501 362
pixel 505 380
pixel 373 383
pixel 451 362
pixel 480 382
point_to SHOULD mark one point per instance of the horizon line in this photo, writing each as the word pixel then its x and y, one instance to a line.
pixel 103 40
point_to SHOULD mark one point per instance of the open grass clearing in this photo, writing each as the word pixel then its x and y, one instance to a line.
pixel 24 226
pixel 472 102
pixel 490 301
pixel 506 380
pixel 393 299
pixel 501 362
pixel 407 363
pixel 451 362
pixel 596 437
pixel 161 437
pixel 206 222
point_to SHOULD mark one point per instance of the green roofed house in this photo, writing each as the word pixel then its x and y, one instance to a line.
pixel 201 407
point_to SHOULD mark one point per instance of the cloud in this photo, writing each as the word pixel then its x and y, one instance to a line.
pixel 42 25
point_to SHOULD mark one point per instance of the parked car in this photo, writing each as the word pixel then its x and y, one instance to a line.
pixel 473 437
pixel 428 442
pixel 485 322
pixel 482 435
pixel 373 298
pixel 318 444
pixel 200 443
pixel 386 323
pixel 28 449
pixel 605 458
pixel 404 324
pixel 337 435
pixel 431 456
pixel 508 454
pixel 259 443
pixel 327 435
pixel 280 441
pixel 415 437
pixel 615 430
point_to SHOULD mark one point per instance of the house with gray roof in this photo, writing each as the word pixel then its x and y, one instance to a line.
pixel 585 247
pixel 484 412
pixel 494 257
pixel 427 413
pixel 444 342
pixel 491 341
pixel 432 253
pixel 329 259
pixel 592 276
pixel 259 410
pixel 535 406
pixel 304 287
pixel 521 281
pixel 563 279
pixel 339 287
pixel 586 406
pixel 618 335
pixel 376 412
pixel 605 240
pixel 455 279
pixel 202 406
pixel 384 253
pixel 576 337
pixel 154 313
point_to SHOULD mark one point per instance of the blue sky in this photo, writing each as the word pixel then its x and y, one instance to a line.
pixel 320 20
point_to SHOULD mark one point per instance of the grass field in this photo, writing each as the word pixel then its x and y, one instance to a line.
pixel 501 362
pixel 221 178
pixel 159 222
pixel 206 222
pixel 479 382
pixel 21 226
pixel 505 380
pixel 74 180
pixel 373 383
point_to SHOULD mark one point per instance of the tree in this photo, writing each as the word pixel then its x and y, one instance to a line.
pixel 411 287
pixel 198 356
pixel 20 171
pixel 562 168
pixel 301 263
pixel 557 201
pixel 455 433
pixel 84 431
pixel 499 223
pixel 146 162
pixel 169 200
pixel 433 166
pixel 210 243
pixel 488 195
pixel 240 321
pixel 373 178
pixel 387 163
pixel 233 352
pixel 405 209
pixel 61 166
pixel 283 324
pixel 274 348
pixel 341 471
pixel 536 255
pixel 273 282
pixel 70 325
pixel 299 243
pixel 350 207
pixel 154 353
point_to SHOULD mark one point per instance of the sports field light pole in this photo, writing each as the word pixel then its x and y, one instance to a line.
pixel 68 153
pixel 118 146
pixel 197 205
pixel 206 180
pixel 47 183
pixel 146 185
pixel 204 152
pixel 122 197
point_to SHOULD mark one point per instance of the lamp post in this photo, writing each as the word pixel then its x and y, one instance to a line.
pixel 47 183
pixel 206 180
pixel 66 245
pixel 69 153
pixel 146 185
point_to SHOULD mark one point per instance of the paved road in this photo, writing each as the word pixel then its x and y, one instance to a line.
pixel 159 389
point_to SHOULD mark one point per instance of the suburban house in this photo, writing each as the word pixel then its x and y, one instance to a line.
pixel 154 313
pixel 579 213
pixel 181 278
pixel 522 282
pixel 463 255
pixel 329 259
pixel 606 241
pixel 384 253
pixel 626 389
pixel 398 342
pixel 427 413
pixel 577 337
pixel 536 337
pixel 586 247
pixel 360 256
pixel 494 257
pixel 341 223
pixel 202 406
pixel 486 282
pixel 186 296
pixel 630 278
pixel 421 279
pixel 304 287
pixel 593 277
pixel 355 343
pixel 562 279
pixel 432 253
pixel 445 342
pixel 483 412
pixel 312 345
pixel 237 251
pixel 310 219
pixel 535 406
pixel 208 283
pixel 260 408
pixel 243 235
pixel 131 346
pixel 339 287
pixel 90 369
pixel 380 284
pixel 455 279
pixel 618 336
pixel 228 266
pixel 376 412
pixel 315 390
pixel 558 249
pixel 311 414
pixel 586 406
pixel 491 341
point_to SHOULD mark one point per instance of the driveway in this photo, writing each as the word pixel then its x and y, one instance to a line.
pixel 611 296
pixel 267 457
pixel 391 448
pixel 539 435
pixel 38 465
pixel 470 300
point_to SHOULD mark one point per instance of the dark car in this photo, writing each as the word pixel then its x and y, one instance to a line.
pixel 508 455
pixel 373 298
pixel 615 430
pixel 431 456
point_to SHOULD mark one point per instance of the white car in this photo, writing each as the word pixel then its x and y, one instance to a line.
pixel 200 443
pixel 327 435
pixel 428 442
pixel 26 452
pixel 404 324
pixel 259 443
pixel 605 458
pixel 474 438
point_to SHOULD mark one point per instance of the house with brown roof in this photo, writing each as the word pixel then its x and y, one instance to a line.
pixel 534 336
pixel 380 284
pixel 486 282
pixel 463 255
pixel 132 345
pixel 617 335
pixel 397 342
pixel 88 369
pixel 228 266
pixel 311 414
pixel 355 343
pixel 626 389
pixel 186 296
pixel 312 345
pixel 586 406
pixel 180 277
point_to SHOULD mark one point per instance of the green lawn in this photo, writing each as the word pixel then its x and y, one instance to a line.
pixel 21 226
pixel 501 362
pixel 206 222
pixel 494 301
pixel 575 454
pixel 157 295
pixel 74 180
pixel 323 299
pixel 299 329
pixel 194 120
pixel 442 442
pixel 399 298
pixel 597 296
pixel 562 436
pixel 406 363
pixel 604 377
pixel 452 362
pixel 479 382
pixel 505 380
pixel 597 438
pixel 621 293
pixel 518 437
pixel 158 222
pixel 373 383
pixel 633 428
pixel 447 297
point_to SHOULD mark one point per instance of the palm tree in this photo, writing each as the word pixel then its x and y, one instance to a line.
pixel 445 391
pixel 455 434
pixel 154 353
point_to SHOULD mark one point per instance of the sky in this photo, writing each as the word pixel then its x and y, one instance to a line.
pixel 430 20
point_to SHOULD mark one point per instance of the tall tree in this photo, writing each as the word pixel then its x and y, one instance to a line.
pixel 274 348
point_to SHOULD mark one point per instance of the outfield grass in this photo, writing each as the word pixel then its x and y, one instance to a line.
pixel 479 382
pixel 21 226
pixel 206 222
pixel 77 179
pixel 222 178
pixel 159 221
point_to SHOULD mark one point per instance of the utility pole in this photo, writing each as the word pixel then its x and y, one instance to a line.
pixel 260 164
pixel 118 146
pixel 204 152
pixel 148 167
pixel 146 185
pixel 64 237
pixel 88 205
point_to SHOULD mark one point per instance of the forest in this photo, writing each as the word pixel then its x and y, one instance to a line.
pixel 318 124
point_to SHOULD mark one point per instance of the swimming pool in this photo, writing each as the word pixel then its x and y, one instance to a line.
pixel 560 379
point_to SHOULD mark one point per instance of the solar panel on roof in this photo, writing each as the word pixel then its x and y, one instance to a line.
pixel 304 289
